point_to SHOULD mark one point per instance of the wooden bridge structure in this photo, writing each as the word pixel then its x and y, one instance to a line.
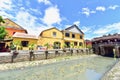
pixel 107 45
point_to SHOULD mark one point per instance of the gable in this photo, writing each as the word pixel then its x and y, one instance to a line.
pixel 10 24
pixel 49 33
pixel 49 30
pixel 74 29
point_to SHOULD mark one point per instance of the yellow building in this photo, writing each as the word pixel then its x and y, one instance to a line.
pixel 51 36
pixel 69 37
pixel 73 36
pixel 25 41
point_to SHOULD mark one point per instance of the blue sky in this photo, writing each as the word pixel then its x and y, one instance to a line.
pixel 94 17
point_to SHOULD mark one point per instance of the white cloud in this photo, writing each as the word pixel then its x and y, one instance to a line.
pixel 77 23
pixel 93 11
pixel 85 29
pixel 5 4
pixel 113 7
pixel 27 21
pixel 35 11
pixel 6 15
pixel 46 2
pixel 111 28
pixel 100 8
pixel 52 16
pixel 87 11
pixel 66 26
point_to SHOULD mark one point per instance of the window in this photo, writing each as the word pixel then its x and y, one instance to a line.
pixel 80 44
pixel 54 34
pixel 81 37
pixel 67 34
pixel 24 43
pixel 75 43
pixel 14 32
pixel 73 35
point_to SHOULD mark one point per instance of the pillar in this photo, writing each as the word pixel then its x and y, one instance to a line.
pixel 117 51
pixel 102 50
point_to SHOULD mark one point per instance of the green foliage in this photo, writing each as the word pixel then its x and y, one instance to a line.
pixel 31 46
pixel 12 46
pixel 1 20
pixel 47 45
pixel 89 46
pixel 3 32
pixel 72 45
pixel 65 46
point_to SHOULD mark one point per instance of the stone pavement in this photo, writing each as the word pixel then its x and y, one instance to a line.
pixel 5 54
pixel 114 73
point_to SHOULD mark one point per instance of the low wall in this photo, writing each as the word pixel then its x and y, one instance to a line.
pixel 39 55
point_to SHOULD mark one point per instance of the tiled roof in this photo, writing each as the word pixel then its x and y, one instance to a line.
pixel 11 24
pixel 117 36
pixel 24 35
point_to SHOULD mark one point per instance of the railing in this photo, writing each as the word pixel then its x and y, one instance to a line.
pixel 107 44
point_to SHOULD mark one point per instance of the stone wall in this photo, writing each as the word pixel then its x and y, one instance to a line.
pixel 40 55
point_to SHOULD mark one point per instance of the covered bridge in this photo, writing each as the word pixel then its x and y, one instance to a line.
pixel 107 45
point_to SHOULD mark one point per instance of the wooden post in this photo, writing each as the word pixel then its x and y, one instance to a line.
pixel 71 51
pixel 32 55
pixel 77 51
pixel 46 54
pixel 14 55
pixel 56 53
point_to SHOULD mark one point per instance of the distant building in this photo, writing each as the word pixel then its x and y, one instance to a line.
pixel 107 45
pixel 59 39
pixel 73 35
pixel 12 27
pixel 19 35
pixel 88 44
pixel 25 41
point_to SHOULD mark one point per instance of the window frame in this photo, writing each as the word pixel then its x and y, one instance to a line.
pixel 24 43
pixel 54 35
pixel 81 37
pixel 67 35
pixel 73 35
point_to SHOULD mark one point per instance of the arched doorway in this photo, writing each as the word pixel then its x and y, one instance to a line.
pixel 57 45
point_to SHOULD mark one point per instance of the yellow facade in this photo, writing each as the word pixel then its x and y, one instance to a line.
pixel 53 35
pixel 18 41
pixel 76 41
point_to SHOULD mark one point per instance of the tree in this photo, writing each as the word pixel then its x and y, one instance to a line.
pixel 3 32
pixel 1 20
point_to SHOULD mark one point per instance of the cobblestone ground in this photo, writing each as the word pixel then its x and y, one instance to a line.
pixel 114 73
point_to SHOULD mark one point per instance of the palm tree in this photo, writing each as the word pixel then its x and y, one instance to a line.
pixel 1 20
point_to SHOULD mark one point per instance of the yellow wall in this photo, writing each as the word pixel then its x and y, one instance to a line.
pixel 76 39
pixel 31 41
pixel 49 33
pixel 47 37
pixel 43 41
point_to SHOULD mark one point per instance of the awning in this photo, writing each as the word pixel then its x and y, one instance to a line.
pixel 5 40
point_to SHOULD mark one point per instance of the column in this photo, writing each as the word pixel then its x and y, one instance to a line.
pixel 117 51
